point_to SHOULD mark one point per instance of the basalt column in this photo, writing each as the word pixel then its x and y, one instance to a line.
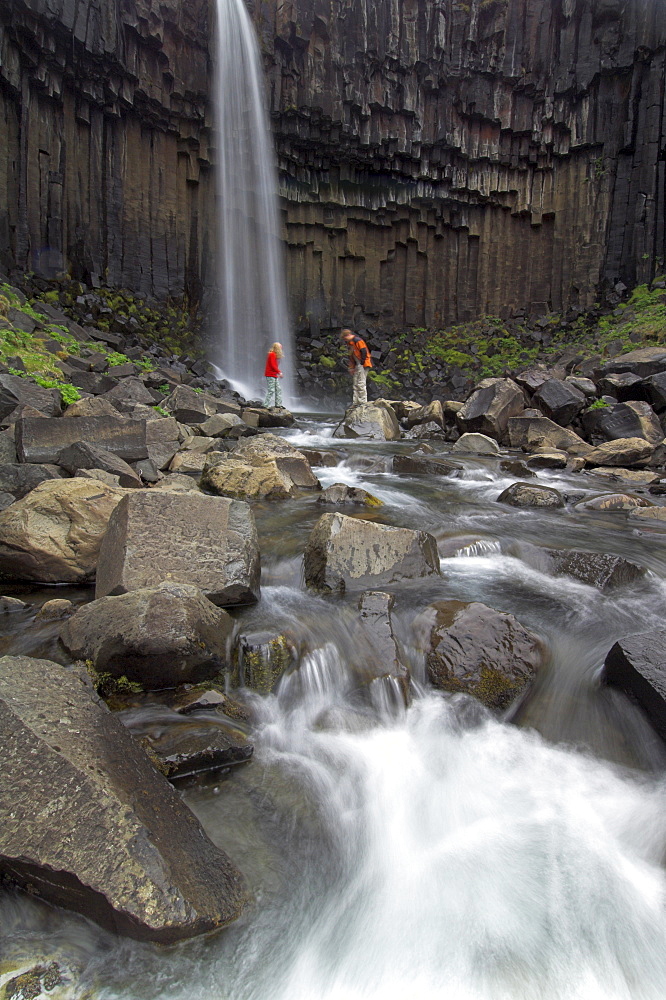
pixel 104 142
pixel 444 159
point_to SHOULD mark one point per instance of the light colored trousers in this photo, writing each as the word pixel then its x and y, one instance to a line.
pixel 273 395
pixel 360 390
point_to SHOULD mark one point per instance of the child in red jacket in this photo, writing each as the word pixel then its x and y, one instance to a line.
pixel 272 372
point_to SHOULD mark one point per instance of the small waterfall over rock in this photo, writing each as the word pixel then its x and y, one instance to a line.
pixel 253 307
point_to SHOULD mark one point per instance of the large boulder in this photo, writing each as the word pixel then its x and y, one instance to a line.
pixel 272 448
pixel 209 542
pixel 530 495
pixel 532 432
pixel 432 413
pixel 559 401
pixel 82 455
pixel 220 424
pixel 20 478
pixel 597 569
pixel 643 362
pixel 635 419
pixel 162 440
pixel 188 406
pixel 473 649
pixel 16 391
pixel 637 666
pixel 475 444
pixel 159 636
pixel 622 452
pixel 41 439
pixel 259 416
pixel 654 388
pixel 425 466
pixel 348 553
pixel 241 480
pixel 53 535
pixel 376 421
pixel 488 409
pixel 621 385
pixel 86 821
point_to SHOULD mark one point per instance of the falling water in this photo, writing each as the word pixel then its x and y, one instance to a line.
pixel 251 278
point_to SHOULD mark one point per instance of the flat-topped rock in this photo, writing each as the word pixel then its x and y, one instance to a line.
pixel 622 451
pixel 181 537
pixel 41 439
pixel 348 553
pixel 643 362
pixel 375 421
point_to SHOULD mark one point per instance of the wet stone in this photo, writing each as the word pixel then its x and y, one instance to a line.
pixel 614 501
pixel 476 650
pixel 261 658
pixel 528 495
pixel 597 569
pixel 194 747
pixel 637 666
pixel 341 494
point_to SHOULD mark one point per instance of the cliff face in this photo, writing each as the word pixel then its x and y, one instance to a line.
pixel 438 159
pixel 104 141
pixel 443 159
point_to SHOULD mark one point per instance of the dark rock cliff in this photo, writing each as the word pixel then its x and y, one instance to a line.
pixel 104 141
pixel 443 159
pixel 438 159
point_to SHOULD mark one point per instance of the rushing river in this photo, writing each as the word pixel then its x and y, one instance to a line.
pixel 434 852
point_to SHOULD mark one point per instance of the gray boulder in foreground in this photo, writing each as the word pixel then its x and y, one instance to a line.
pixel 86 821
pixel 209 542
pixel 476 650
pixel 159 636
pixel 349 553
pixel 637 666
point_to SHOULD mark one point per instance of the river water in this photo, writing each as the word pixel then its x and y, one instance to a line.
pixel 435 851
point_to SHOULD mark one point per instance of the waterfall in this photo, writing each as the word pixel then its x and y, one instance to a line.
pixel 253 307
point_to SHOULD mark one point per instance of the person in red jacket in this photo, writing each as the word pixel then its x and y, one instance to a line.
pixel 359 362
pixel 272 372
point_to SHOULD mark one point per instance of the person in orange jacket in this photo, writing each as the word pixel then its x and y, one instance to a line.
pixel 359 362
pixel 273 397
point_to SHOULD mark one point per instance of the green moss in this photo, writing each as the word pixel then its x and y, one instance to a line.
pixel 327 362
pixel 598 404
pixel 107 686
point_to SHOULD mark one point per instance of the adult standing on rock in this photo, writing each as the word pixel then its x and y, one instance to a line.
pixel 359 362
pixel 272 372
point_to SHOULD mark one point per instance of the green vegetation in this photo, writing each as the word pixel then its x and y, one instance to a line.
pixel 162 412
pixel 598 404
pixel 115 358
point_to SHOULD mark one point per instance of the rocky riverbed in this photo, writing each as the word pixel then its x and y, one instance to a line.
pixel 199 589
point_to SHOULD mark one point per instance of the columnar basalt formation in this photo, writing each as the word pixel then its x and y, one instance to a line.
pixel 438 159
pixel 104 135
pixel 444 159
